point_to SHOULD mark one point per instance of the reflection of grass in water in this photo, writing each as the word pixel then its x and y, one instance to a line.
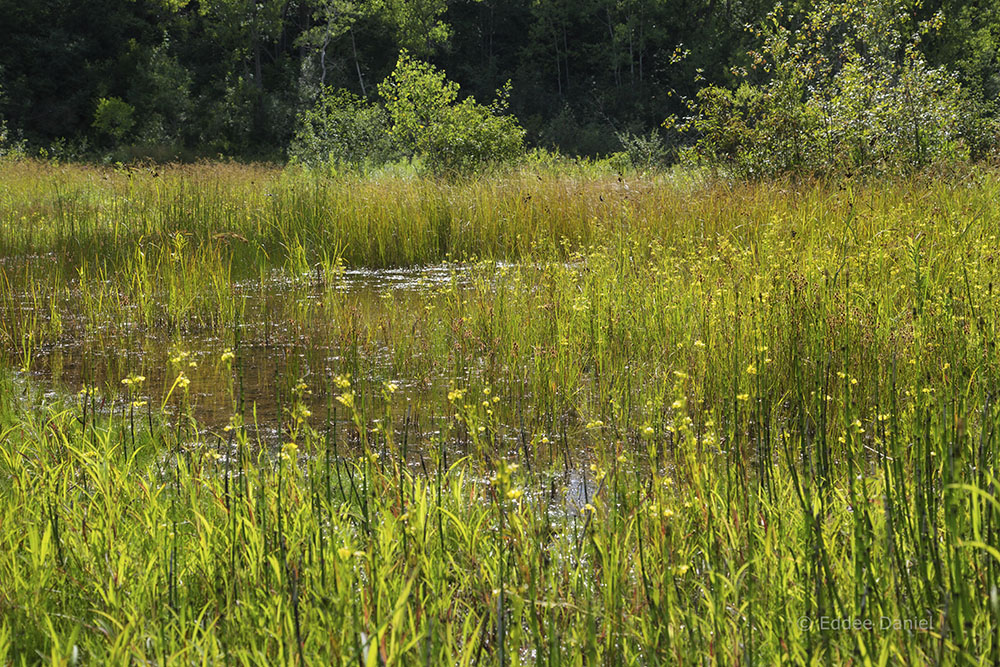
pixel 711 412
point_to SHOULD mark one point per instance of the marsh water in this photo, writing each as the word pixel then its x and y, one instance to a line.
pixel 76 338
pixel 282 337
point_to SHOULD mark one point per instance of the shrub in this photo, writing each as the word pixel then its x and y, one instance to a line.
pixel 342 129
pixel 10 149
pixel 643 151
pixel 114 117
pixel 447 135
pixel 841 90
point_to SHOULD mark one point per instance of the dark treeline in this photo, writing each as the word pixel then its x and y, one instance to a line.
pixel 188 78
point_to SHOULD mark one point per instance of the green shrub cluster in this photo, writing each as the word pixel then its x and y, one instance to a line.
pixel 114 117
pixel 342 129
pixel 448 135
pixel 842 88
pixel 640 151
pixel 422 118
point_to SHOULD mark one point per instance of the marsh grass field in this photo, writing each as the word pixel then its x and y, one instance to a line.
pixel 262 416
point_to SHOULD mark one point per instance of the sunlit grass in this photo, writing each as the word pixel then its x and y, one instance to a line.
pixel 639 421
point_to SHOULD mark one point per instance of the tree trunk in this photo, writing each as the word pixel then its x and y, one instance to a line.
pixel 357 63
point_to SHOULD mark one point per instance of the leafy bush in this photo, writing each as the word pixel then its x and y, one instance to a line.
pixel 572 133
pixel 114 117
pixel 842 90
pixel 342 129
pixel 3 123
pixel 449 136
pixel 643 151
pixel 9 149
pixel 160 88
pixel 4 135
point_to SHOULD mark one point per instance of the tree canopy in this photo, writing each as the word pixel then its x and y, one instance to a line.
pixel 233 77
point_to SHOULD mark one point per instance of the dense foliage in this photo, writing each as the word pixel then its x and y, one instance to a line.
pixel 450 136
pixel 845 88
pixel 342 129
pixel 187 78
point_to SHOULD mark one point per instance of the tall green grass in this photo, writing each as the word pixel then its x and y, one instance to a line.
pixel 687 421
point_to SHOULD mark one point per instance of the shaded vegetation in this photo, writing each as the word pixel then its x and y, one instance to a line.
pixel 192 79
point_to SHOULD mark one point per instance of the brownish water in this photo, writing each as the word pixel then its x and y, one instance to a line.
pixel 289 331
pixel 274 345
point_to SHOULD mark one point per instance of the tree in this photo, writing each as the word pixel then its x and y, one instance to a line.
pixel 333 19
pixel 968 42
pixel 842 87
pixel 114 117
pixel 342 129
pixel 451 136
pixel 417 24
pixel 159 88
pixel 59 57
